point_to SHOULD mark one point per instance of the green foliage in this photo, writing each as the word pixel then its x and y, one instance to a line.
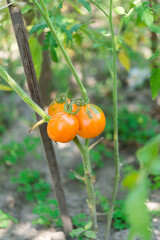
pixel 79 220
pixel 5 219
pixel 36 50
pixel 50 43
pixel 48 213
pixel 119 216
pixel 86 5
pixel 32 185
pixel 136 209
pixel 102 202
pixel 137 212
pixel 155 82
pixel 145 13
pixel 149 157
pixel 13 151
pixel 83 233
pixel 133 127
pixel 155 183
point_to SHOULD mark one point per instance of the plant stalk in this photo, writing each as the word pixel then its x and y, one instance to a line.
pixel 45 15
pixel 115 124
pixel 23 95
pixel 100 8
pixel 88 181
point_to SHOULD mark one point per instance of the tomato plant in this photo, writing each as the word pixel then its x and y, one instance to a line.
pixel 91 120
pixel 62 127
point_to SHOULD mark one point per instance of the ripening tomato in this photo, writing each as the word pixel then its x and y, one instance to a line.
pixel 91 120
pixel 62 127
pixel 56 107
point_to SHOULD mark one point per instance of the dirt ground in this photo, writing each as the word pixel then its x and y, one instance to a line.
pixel 13 202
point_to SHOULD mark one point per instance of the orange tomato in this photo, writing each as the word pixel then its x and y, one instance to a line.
pixel 56 107
pixel 91 121
pixel 62 127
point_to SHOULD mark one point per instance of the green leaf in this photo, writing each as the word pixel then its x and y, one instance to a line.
pixel 35 28
pixel 50 43
pixel 88 226
pixel 155 28
pixel 155 82
pixel 136 210
pixel 119 10
pixel 90 234
pixel 36 50
pixel 53 53
pixel 67 32
pixel 5 88
pixel 76 232
pixel 146 14
pixel 149 155
pixel 86 5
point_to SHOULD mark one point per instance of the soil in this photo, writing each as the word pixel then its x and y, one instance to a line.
pixel 15 204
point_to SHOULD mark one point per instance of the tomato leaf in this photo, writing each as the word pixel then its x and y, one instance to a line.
pixel 50 43
pixel 155 28
pixel 136 210
pixel 76 232
pixel 35 28
pixel 53 53
pixel 36 50
pixel 155 82
pixel 145 13
pixel 90 234
pixel 86 5
pixel 148 156
pixel 88 226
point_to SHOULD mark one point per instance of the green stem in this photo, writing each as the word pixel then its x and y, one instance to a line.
pixel 115 123
pixel 100 8
pixel 88 181
pixel 64 52
pixel 23 95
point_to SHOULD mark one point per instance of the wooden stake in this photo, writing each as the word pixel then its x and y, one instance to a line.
pixel 23 45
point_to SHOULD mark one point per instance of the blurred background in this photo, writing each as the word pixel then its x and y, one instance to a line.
pixel 24 174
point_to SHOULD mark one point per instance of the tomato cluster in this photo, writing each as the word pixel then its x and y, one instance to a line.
pixel 88 121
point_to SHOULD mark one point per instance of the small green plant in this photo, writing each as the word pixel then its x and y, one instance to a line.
pixel 102 202
pixel 119 216
pixel 32 185
pixel 84 233
pixel 5 219
pixel 155 183
pixel 79 220
pixel 13 151
pixel 47 213
pixel 133 127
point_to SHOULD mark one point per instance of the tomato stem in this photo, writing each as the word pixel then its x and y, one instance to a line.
pixel 115 125
pixel 23 95
pixel 88 180
pixel 45 15
pixel 100 8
